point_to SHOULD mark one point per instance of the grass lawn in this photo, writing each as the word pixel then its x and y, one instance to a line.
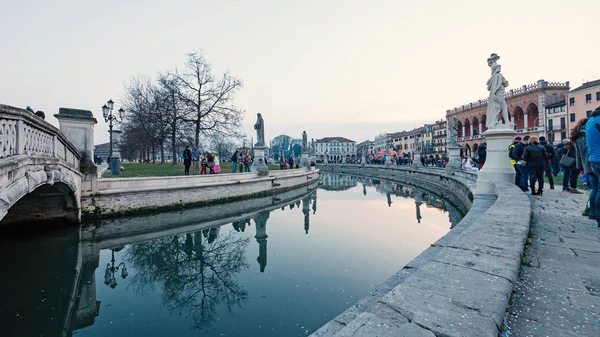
pixel 132 170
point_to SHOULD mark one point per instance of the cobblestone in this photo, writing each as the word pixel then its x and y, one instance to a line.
pixel 558 291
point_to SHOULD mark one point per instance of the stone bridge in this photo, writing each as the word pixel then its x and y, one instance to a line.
pixel 39 170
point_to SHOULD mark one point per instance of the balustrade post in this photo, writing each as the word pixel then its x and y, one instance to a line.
pixel 525 123
pixel 54 145
pixel 20 130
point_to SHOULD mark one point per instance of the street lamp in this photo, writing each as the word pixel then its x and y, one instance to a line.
pixel 109 274
pixel 109 117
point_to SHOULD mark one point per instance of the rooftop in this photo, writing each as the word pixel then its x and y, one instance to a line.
pixel 587 85
pixel 331 139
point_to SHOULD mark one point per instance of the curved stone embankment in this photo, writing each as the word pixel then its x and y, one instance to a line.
pixel 118 196
pixel 461 285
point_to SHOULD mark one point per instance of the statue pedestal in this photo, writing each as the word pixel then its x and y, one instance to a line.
pixel 417 157
pixel 260 166
pixel 497 165
pixel 453 164
pixel 304 162
pixel 388 160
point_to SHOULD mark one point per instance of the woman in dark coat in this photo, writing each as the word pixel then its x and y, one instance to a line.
pixel 570 173
pixel 187 160
pixel 536 156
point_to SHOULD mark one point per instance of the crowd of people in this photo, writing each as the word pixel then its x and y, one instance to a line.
pixel 201 163
pixel 532 157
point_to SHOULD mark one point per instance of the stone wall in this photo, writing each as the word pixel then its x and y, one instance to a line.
pixel 134 195
pixel 461 285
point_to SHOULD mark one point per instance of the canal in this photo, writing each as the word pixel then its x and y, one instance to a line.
pixel 284 269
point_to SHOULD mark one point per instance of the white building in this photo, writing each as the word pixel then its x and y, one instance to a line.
pixel 335 149
pixel 556 122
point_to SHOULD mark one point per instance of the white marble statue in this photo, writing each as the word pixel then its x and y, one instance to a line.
pixel 496 108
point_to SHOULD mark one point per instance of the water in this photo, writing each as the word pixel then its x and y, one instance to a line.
pixel 277 272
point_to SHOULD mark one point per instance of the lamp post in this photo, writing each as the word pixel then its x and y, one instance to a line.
pixel 109 117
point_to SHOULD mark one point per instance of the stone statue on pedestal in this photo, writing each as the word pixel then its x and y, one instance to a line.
pixel 312 145
pixel 304 141
pixel 259 126
pixel 497 109
pixel 453 132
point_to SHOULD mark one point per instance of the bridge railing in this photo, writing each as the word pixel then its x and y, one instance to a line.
pixel 23 133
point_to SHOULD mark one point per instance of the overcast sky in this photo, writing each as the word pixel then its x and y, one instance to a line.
pixel 333 67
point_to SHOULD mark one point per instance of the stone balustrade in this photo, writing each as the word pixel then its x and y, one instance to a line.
pixel 23 133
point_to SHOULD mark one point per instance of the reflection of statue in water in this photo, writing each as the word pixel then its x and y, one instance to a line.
pixel 259 126
pixel 314 201
pixel 496 108
pixel 306 212
pixel 193 285
pixel 261 237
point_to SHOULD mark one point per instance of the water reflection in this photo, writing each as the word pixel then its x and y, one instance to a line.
pixel 195 271
pixel 341 182
pixel 198 265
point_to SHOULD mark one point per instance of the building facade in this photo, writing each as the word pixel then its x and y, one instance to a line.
pixel 556 122
pixel 440 130
pixel 335 149
pixel 581 101
pixel 365 147
pixel 525 104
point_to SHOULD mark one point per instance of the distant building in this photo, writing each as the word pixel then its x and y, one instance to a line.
pixel 556 122
pixel 365 147
pixel 581 101
pixel 102 151
pixel 335 149
pixel 440 131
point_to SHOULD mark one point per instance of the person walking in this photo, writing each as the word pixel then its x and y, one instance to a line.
pixel 570 172
pixel 187 160
pixel 581 155
pixel 535 157
pixel 592 139
pixel 550 158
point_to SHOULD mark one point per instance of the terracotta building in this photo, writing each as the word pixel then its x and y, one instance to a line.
pixel 581 101
pixel 526 108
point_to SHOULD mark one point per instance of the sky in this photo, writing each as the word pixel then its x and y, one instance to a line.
pixel 345 68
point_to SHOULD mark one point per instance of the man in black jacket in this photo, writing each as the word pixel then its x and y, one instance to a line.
pixel 549 158
pixel 513 161
pixel 517 153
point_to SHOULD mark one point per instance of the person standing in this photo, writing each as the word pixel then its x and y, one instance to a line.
pixel 187 160
pixel 195 161
pixel 549 159
pixel 513 160
pixel 578 138
pixel 203 164
pixel 518 156
pixel 592 133
pixel 234 162
pixel 535 157
pixel 482 153
pixel 570 172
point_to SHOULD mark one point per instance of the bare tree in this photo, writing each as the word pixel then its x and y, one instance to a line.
pixel 173 108
pixel 208 100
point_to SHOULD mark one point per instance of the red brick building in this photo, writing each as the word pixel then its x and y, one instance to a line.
pixel 526 108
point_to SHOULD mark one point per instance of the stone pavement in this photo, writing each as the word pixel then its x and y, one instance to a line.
pixel 558 292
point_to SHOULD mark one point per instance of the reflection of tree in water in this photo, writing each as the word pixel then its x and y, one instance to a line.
pixel 195 274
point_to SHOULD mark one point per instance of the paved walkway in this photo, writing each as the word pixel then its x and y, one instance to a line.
pixel 558 293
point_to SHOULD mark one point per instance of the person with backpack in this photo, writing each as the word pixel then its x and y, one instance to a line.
pixel 517 153
pixel 513 161
pixel 549 159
